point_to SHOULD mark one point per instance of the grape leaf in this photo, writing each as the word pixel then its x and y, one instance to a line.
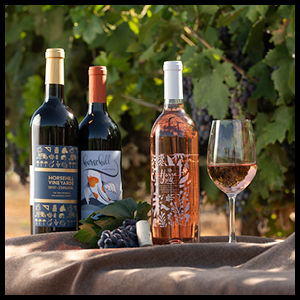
pixel 284 120
pixel 226 18
pixel 120 209
pixel 229 74
pixel 91 29
pixel 147 26
pixel 209 78
pixel 281 57
pixel 210 92
pixel 199 65
pixel 142 211
pixel 271 164
pixel 254 11
pixel 88 234
pixel 254 44
pixel 107 223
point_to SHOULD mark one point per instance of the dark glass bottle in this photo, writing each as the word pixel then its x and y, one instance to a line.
pixel 54 155
pixel 100 149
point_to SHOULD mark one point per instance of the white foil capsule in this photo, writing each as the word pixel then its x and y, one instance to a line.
pixel 144 233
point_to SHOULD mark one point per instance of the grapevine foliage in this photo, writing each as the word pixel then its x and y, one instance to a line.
pixel 239 62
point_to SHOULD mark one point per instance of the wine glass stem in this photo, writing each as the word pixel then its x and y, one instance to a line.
pixel 232 219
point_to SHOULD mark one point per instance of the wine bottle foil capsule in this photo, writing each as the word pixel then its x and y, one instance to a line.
pixel 55 53
pixel 144 233
pixel 54 66
pixel 173 80
pixel 97 84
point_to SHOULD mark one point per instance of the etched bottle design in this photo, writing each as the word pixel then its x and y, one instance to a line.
pixel 174 167
pixel 171 204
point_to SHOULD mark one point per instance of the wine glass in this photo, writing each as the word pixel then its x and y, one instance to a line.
pixel 231 160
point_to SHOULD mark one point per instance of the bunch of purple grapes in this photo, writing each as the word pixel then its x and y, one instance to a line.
pixel 239 99
pixel 122 237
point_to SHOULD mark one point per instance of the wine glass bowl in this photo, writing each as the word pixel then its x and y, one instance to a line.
pixel 231 160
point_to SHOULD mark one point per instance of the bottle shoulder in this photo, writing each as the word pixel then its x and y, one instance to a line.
pixel 99 125
pixel 174 123
pixel 53 113
pixel 98 119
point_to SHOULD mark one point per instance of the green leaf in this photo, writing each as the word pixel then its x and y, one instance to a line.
pixel 148 25
pixel 292 80
pixel 212 36
pixel 271 164
pixel 207 184
pixel 108 223
pixel 201 89
pixel 258 188
pixel 121 38
pixel 88 234
pixel 120 209
pixel 256 12
pixel 134 27
pixel 283 121
pixel 199 65
pixel 210 92
pixel 135 47
pixel 142 211
pixel 214 55
pixel 281 57
pixel 226 18
pixel 228 73
pixel 254 43
pixel 208 9
pixel 147 54
pixel 265 86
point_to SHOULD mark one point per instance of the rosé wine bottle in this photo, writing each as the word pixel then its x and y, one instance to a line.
pixel 175 190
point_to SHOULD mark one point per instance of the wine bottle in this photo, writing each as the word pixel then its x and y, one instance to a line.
pixel 174 166
pixel 54 155
pixel 100 149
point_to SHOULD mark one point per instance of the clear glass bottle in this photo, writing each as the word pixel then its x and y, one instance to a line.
pixel 175 190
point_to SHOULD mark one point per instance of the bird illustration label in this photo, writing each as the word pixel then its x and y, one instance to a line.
pixel 101 182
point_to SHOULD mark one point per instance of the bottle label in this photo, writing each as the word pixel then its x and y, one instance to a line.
pixel 55 180
pixel 101 182
pixel 171 180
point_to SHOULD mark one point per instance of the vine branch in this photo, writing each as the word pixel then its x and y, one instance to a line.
pixel 142 102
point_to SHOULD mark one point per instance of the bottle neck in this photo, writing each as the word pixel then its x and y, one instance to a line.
pixel 95 107
pixel 54 91
pixel 54 75
pixel 173 104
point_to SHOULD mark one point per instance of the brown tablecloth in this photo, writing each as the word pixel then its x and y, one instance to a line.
pixel 56 263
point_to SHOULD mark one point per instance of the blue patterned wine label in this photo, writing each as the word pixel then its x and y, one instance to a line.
pixel 55 182
pixel 100 177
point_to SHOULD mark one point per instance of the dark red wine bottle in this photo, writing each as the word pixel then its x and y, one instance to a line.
pixel 100 149
pixel 54 155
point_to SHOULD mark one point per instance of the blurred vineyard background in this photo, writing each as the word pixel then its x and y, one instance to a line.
pixel 239 62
